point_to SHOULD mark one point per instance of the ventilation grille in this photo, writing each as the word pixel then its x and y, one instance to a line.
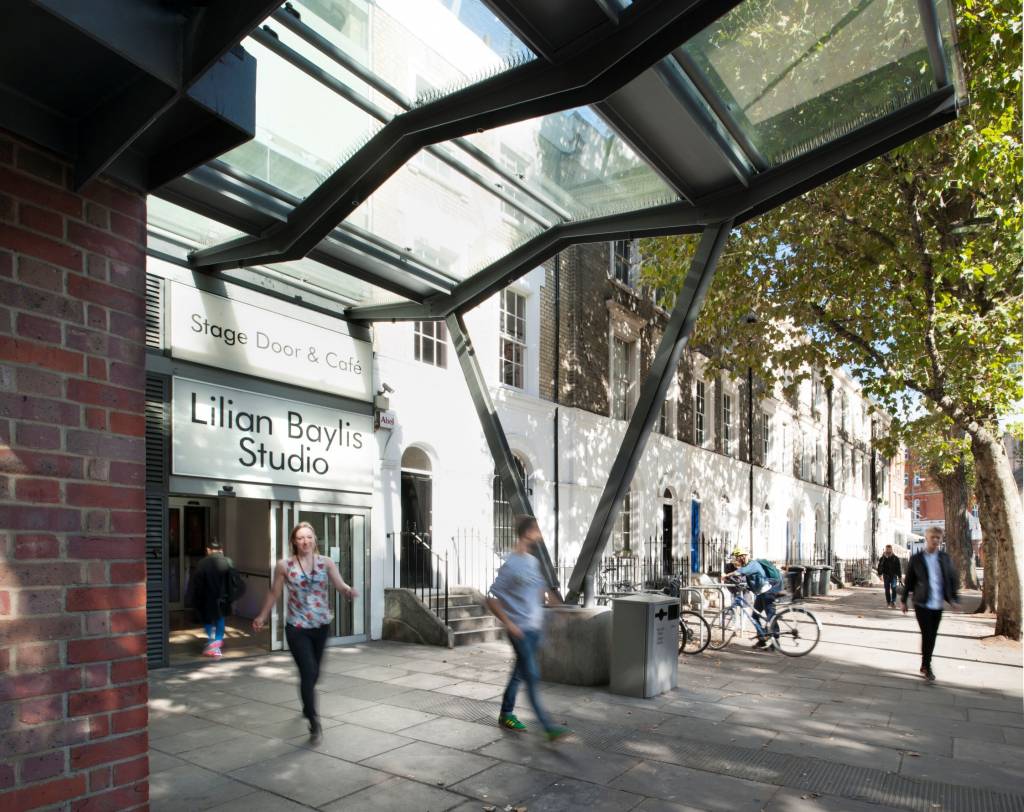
pixel 156 431
pixel 156 579
pixel 154 311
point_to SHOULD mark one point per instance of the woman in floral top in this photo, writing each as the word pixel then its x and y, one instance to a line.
pixel 309 615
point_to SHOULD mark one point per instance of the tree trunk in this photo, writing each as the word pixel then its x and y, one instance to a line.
pixel 1000 501
pixel 988 556
pixel 955 495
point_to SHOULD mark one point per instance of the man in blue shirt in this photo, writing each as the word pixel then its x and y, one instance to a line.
pixel 932 580
pixel 765 589
pixel 517 599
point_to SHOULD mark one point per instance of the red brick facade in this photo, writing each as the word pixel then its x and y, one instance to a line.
pixel 72 575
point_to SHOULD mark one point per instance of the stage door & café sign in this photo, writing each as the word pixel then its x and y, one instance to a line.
pixel 209 329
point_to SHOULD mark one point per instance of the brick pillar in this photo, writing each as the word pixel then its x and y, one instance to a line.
pixel 73 691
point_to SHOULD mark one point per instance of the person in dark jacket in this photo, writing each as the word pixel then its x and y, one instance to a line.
pixel 890 571
pixel 932 580
pixel 209 595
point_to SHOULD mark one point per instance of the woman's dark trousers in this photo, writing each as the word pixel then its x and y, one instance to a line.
pixel 307 647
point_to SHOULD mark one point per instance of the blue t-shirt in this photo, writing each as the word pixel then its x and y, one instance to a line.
pixel 520 588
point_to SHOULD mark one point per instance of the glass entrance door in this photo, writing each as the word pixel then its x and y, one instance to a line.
pixel 190 527
pixel 342 535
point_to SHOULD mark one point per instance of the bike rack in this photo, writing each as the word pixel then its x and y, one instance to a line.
pixel 700 590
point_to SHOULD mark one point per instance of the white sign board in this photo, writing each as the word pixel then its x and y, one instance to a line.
pixel 219 332
pixel 223 433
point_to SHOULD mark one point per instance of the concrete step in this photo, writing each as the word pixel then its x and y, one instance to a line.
pixel 467 623
pixel 474 636
pixel 467 611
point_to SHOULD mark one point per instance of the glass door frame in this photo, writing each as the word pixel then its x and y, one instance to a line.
pixel 179 503
pixel 284 516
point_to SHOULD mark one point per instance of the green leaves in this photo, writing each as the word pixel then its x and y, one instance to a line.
pixel 907 270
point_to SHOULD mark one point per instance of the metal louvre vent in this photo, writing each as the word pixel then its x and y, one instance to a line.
pixel 156 521
pixel 154 311
pixel 156 581
pixel 156 431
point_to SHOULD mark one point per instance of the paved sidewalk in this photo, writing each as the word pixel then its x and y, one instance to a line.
pixel 850 727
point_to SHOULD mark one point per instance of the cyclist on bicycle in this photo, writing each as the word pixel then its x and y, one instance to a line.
pixel 764 587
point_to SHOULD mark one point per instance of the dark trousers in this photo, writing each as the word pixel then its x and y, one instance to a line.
pixel 928 620
pixel 765 603
pixel 527 670
pixel 892 587
pixel 307 647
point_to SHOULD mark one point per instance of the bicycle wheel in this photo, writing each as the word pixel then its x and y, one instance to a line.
pixel 694 633
pixel 796 632
pixel 722 630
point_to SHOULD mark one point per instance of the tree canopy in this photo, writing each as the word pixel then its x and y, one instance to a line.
pixel 906 270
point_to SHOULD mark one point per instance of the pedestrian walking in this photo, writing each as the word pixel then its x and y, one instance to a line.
pixel 309 615
pixel 517 599
pixel 932 580
pixel 210 594
pixel 890 571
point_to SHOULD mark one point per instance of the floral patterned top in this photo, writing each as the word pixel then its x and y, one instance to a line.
pixel 308 604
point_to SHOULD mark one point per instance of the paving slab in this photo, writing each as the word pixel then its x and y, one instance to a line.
pixel 565 758
pixel 243 749
pixel 397 794
pixel 506 784
pixel 353 743
pixel 191 787
pixel 694 787
pixel 308 778
pixel 388 718
pixel 454 733
pixel 570 794
pixel 432 763
pixel 260 801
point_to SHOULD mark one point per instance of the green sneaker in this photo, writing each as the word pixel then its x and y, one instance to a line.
pixel 557 732
pixel 509 722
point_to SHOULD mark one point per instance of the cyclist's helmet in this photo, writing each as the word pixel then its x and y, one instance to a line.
pixel 738 551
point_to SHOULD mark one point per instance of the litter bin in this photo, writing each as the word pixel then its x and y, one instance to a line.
pixel 823 581
pixel 807 582
pixel 795 582
pixel 813 580
pixel 645 645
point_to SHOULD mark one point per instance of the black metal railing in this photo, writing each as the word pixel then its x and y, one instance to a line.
pixel 476 559
pixel 422 570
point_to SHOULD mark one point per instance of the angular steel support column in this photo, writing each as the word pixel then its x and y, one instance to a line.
pixel 652 395
pixel 495 434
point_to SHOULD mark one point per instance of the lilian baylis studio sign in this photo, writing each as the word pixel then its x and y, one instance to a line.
pixel 224 433
pixel 215 331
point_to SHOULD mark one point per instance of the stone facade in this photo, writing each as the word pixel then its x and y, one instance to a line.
pixel 73 688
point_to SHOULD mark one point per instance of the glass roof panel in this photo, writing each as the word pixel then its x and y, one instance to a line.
pixel 191 230
pixel 304 130
pixel 443 218
pixel 794 74
pixel 577 161
pixel 424 49
pixel 572 159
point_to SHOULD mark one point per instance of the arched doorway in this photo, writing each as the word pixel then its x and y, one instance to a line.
pixel 417 518
pixel 667 518
pixel 504 515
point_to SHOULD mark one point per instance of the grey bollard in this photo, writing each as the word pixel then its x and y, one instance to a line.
pixel 589 592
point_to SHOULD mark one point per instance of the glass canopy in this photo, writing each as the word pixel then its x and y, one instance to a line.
pixel 782 79
pixel 822 68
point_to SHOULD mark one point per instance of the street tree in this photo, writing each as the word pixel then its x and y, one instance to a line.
pixel 907 272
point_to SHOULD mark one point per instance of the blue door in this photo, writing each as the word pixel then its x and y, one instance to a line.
pixel 694 536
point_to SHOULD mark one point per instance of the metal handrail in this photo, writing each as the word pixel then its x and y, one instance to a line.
pixel 722 589
pixel 431 582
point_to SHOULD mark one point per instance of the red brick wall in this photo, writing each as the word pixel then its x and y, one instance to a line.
pixel 72 521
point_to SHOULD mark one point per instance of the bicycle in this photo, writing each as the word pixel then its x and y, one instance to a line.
pixel 694 631
pixel 794 631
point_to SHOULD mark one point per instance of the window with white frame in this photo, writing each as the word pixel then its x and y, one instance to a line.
pixel 727 432
pixel 430 343
pixel 844 412
pixel 916 510
pixel 623 539
pixel 805 457
pixel 515 164
pixel 512 345
pixel 667 417
pixel 817 396
pixel 854 479
pixel 623 377
pixel 917 478
pixel 766 439
pixel 625 262
pixel 699 414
